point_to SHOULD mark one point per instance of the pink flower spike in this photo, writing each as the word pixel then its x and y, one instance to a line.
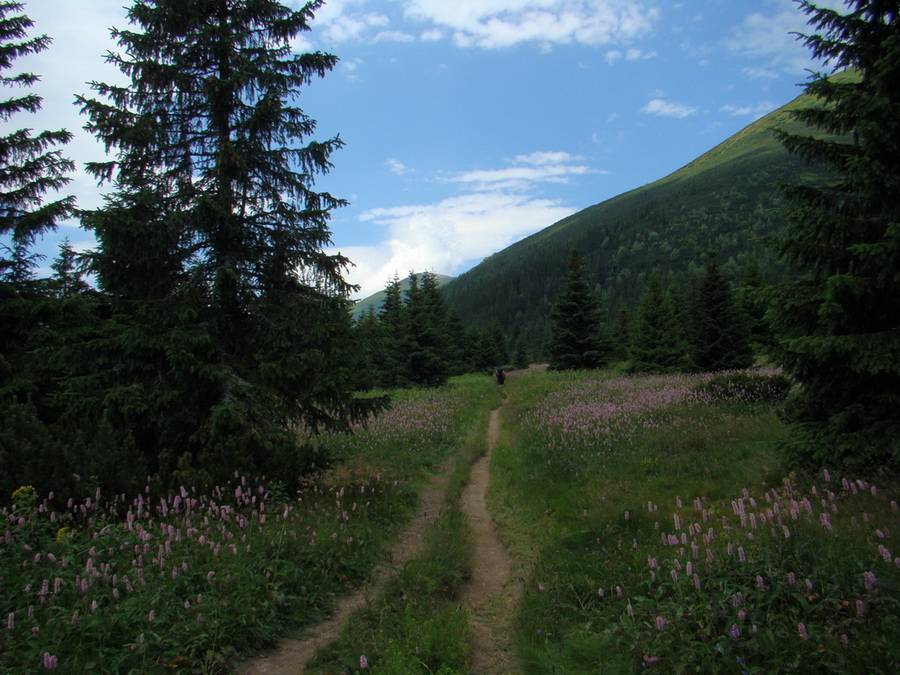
pixel 801 630
pixel 660 623
pixel 363 662
pixel 651 659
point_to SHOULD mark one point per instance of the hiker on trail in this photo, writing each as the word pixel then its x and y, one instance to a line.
pixel 501 376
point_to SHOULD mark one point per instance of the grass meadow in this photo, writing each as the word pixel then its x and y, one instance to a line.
pixel 659 531
pixel 651 518
pixel 186 581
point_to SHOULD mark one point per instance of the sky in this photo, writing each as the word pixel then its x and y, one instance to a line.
pixel 471 124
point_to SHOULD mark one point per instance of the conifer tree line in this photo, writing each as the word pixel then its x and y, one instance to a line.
pixel 215 326
pixel 415 339
pixel 707 328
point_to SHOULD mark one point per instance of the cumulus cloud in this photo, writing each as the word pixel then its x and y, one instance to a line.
pixel 770 36
pixel 503 23
pixel 447 235
pixel 496 208
pixel 664 108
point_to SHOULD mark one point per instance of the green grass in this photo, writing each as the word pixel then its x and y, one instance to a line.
pixel 188 582
pixel 591 483
pixel 654 524
pixel 415 624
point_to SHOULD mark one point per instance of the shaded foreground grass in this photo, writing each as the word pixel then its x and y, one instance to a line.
pixel 184 582
pixel 652 520
pixel 659 532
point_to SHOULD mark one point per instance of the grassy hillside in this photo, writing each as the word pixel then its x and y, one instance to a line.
pixel 724 202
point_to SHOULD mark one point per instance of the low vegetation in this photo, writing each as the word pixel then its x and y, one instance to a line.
pixel 659 530
pixel 651 517
pixel 189 580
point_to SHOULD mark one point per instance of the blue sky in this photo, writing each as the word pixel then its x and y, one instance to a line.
pixel 471 124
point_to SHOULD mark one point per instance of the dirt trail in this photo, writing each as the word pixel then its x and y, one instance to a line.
pixel 290 656
pixel 492 594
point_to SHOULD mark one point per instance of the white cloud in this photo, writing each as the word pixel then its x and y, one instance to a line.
pixel 504 23
pixel 448 235
pixel 663 108
pixel 770 36
pixel 756 111
pixel 526 171
pixel 352 26
pixel 496 208
pixel 396 166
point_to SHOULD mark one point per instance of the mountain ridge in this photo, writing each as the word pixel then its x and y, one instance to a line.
pixel 724 202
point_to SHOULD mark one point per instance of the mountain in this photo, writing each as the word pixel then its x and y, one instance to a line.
pixel 376 299
pixel 723 203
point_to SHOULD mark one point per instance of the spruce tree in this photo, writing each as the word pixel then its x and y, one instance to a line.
pixel 229 319
pixel 719 337
pixel 393 366
pixel 577 338
pixel 838 326
pixel 427 359
pixel 520 357
pixel 30 164
pixel 32 167
pixel 657 343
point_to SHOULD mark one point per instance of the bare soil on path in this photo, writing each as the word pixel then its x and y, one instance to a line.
pixel 290 656
pixel 492 593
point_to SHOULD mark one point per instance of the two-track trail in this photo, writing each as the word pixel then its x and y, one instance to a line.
pixel 492 593
pixel 490 596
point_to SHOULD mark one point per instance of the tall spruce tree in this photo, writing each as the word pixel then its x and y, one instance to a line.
pixel 838 326
pixel 577 338
pixel 392 365
pixel 227 317
pixel 32 168
pixel 719 336
pixel 430 358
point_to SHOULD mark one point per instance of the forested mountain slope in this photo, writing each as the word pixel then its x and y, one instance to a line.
pixel 723 203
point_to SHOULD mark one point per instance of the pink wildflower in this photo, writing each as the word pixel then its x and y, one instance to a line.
pixel 363 662
pixel 801 629
pixel 660 622
pixel 869 580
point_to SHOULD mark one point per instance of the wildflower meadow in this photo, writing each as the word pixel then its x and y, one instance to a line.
pixel 185 581
pixel 671 539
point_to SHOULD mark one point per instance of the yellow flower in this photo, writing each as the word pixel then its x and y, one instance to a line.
pixel 63 534
pixel 23 493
